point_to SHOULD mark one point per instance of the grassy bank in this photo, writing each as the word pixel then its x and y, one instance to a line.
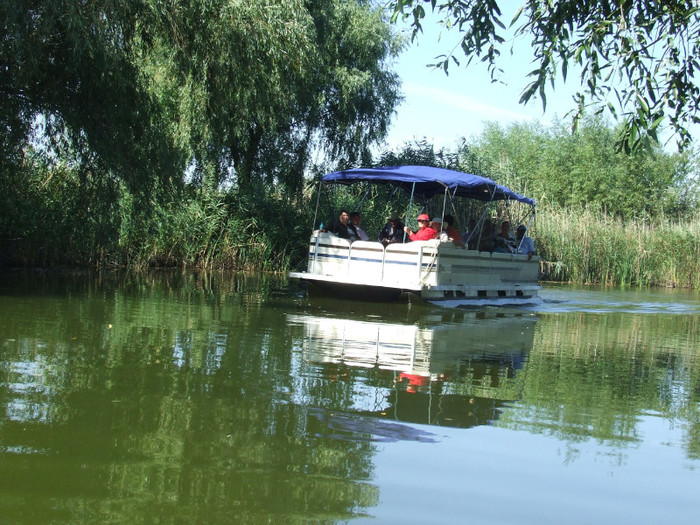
pixel 589 247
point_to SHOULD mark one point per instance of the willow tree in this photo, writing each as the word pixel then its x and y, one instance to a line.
pixel 70 68
pixel 259 85
pixel 79 127
pixel 636 60
pixel 142 89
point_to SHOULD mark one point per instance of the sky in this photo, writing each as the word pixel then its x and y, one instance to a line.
pixel 443 108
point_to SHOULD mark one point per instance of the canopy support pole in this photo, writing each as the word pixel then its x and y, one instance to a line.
pixel 480 224
pixel 318 199
pixel 410 204
pixel 527 230
pixel 454 210
pixel 444 203
pixel 362 200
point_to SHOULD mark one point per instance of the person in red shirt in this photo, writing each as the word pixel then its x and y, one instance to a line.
pixel 424 232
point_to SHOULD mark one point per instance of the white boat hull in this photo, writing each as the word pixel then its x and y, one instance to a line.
pixel 432 270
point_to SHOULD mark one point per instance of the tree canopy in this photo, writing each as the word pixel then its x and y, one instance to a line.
pixel 582 170
pixel 69 67
pixel 146 89
pixel 561 170
pixel 637 60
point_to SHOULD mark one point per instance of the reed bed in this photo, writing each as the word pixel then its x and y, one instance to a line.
pixel 52 222
pixel 216 232
pixel 590 247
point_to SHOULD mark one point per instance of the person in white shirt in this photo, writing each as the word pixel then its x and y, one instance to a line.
pixel 437 225
pixel 525 244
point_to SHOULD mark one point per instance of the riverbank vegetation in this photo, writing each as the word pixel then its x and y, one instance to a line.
pixel 604 217
pixel 135 139
pixel 583 246
pixel 623 232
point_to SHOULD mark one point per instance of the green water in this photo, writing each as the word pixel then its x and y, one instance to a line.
pixel 189 398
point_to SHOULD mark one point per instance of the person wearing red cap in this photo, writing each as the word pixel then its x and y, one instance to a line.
pixel 424 232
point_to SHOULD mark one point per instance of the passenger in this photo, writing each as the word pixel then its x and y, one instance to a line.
pixel 355 219
pixel 471 236
pixel 437 225
pixel 392 231
pixel 504 242
pixel 343 228
pixel 452 234
pixel 526 245
pixel 486 241
pixel 425 232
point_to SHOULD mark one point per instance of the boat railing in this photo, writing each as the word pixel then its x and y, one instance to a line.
pixel 414 264
pixel 330 255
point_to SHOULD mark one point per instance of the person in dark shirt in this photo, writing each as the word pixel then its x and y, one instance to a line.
pixel 487 241
pixel 504 243
pixel 452 234
pixel 392 231
pixel 343 228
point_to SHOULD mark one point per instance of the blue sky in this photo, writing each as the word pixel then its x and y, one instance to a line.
pixel 442 108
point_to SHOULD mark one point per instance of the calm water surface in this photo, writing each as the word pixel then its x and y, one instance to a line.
pixel 181 398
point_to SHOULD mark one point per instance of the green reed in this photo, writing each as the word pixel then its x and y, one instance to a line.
pixel 50 218
pixel 215 231
pixel 591 247
pixel 56 218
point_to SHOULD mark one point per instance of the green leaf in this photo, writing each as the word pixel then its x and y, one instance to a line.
pixel 517 15
pixel 658 120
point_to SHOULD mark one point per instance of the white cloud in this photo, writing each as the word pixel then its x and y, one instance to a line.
pixel 443 116
pixel 465 103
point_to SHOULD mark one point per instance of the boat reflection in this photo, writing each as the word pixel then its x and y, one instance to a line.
pixel 452 368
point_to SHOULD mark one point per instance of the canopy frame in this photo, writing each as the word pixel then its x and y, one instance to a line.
pixel 428 181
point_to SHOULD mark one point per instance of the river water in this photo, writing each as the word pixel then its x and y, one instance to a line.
pixel 230 398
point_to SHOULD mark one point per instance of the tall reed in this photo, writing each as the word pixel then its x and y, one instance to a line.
pixel 587 246
pixel 61 218
pixel 258 232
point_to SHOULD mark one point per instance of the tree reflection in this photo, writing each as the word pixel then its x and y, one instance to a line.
pixel 157 398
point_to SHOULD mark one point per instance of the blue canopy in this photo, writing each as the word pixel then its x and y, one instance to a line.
pixel 428 182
